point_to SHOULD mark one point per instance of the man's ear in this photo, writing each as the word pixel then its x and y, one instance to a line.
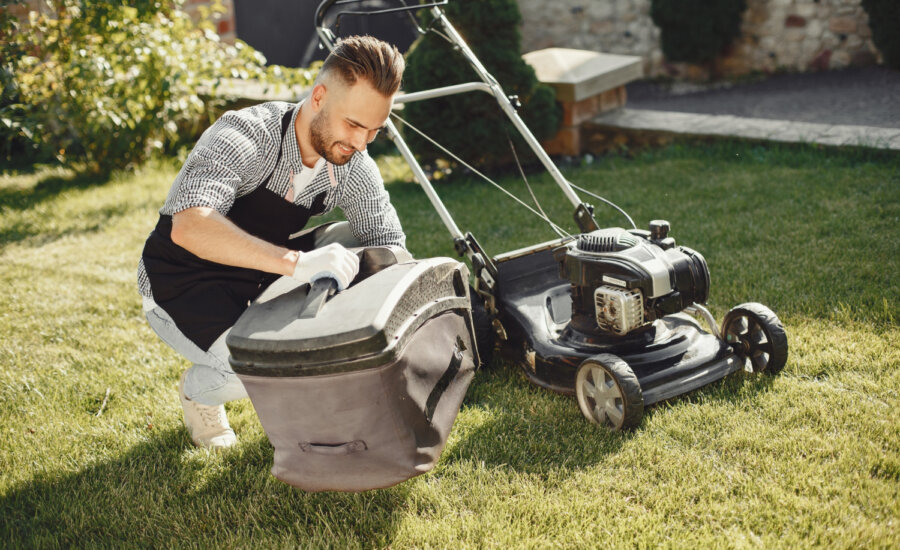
pixel 317 97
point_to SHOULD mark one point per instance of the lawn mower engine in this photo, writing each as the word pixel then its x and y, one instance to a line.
pixel 623 280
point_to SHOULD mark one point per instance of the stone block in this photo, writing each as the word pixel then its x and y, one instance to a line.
pixel 602 27
pixel 579 74
pixel 821 61
pixel 794 34
pixel 839 60
pixel 842 25
pixel 806 10
pixel 814 29
pixel 794 21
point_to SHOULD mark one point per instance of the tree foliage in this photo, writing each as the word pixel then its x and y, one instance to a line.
pixel 472 125
pixel 107 83
pixel 697 31
pixel 884 20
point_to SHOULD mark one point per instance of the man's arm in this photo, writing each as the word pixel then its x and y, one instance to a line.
pixel 368 208
pixel 211 236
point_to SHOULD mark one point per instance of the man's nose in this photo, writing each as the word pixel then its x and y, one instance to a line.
pixel 360 139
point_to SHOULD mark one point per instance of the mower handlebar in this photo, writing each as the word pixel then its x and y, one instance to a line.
pixel 326 5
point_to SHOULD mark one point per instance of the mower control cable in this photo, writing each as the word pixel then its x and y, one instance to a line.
pixel 610 203
pixel 528 185
pixel 556 228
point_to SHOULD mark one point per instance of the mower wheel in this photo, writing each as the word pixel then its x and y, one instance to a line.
pixel 484 328
pixel 756 334
pixel 609 393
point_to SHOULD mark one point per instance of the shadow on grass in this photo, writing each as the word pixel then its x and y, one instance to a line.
pixel 47 188
pixel 551 435
pixel 548 434
pixel 100 217
pixel 163 493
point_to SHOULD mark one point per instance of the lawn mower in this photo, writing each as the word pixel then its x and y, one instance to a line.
pixel 611 315
pixel 359 389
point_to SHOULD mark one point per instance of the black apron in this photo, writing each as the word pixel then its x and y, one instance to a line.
pixel 205 298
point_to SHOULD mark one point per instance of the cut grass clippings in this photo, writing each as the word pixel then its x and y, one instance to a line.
pixel 93 450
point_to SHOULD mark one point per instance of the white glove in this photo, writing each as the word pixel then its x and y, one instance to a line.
pixel 332 261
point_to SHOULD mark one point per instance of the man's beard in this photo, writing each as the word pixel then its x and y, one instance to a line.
pixel 323 142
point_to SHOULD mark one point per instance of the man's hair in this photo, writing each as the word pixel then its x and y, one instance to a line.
pixel 366 57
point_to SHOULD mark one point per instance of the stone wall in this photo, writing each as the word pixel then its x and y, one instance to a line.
pixel 792 35
pixel 224 22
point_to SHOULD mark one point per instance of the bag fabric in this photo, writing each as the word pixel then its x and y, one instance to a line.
pixel 370 428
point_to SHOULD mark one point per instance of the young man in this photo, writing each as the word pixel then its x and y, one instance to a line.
pixel 234 219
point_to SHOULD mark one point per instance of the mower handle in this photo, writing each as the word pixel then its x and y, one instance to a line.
pixel 326 5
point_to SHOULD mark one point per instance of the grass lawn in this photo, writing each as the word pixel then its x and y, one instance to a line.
pixel 809 458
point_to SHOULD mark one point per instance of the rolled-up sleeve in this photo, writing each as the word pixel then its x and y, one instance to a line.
pixel 220 167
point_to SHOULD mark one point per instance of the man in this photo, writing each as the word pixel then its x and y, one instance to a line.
pixel 234 219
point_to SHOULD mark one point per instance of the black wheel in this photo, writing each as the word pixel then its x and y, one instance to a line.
pixel 484 329
pixel 608 392
pixel 756 334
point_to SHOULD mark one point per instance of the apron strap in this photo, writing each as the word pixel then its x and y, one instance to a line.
pixel 331 173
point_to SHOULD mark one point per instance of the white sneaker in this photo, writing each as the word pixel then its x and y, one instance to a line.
pixel 207 425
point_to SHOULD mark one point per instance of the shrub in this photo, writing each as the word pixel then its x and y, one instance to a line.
pixel 884 20
pixel 472 125
pixel 696 31
pixel 107 83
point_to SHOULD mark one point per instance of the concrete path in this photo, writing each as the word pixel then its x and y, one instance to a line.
pixel 855 107
pixel 693 124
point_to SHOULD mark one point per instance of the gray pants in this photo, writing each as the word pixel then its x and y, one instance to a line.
pixel 210 380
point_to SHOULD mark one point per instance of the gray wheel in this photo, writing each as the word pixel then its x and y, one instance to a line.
pixel 608 392
pixel 756 334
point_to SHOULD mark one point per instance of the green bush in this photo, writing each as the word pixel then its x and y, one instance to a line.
pixel 14 141
pixel 697 31
pixel 107 83
pixel 884 19
pixel 472 125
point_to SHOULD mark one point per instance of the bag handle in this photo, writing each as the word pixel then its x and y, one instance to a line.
pixel 331 449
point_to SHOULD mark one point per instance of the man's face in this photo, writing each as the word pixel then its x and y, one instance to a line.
pixel 348 119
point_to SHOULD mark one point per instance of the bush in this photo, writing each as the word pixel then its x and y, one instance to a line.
pixel 107 83
pixel 697 31
pixel 13 143
pixel 884 20
pixel 472 125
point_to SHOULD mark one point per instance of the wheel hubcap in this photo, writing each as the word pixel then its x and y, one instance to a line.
pixel 604 397
pixel 750 340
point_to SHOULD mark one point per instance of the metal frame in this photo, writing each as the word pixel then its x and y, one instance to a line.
pixel 464 242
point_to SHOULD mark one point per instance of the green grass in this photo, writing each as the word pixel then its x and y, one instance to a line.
pixel 809 458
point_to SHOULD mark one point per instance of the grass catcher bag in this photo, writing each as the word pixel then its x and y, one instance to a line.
pixel 359 390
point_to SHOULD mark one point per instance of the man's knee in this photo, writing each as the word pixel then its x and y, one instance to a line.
pixel 339 232
pixel 211 386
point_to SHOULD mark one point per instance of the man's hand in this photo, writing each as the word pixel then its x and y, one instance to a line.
pixel 333 261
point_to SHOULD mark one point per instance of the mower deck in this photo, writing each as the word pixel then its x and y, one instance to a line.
pixel 671 357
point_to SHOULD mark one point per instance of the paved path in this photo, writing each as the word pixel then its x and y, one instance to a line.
pixel 859 106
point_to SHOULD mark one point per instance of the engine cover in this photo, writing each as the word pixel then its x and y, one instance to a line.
pixel 623 280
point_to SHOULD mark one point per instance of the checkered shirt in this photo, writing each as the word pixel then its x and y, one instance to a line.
pixel 234 156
